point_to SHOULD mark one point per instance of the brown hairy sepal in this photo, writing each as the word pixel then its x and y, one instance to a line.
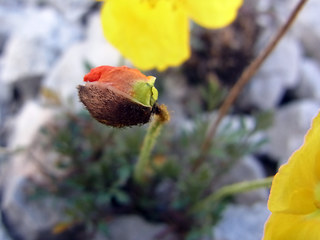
pixel 113 107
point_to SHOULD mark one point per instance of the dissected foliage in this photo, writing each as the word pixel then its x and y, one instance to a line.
pixel 99 185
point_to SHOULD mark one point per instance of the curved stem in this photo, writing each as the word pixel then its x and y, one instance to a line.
pixel 231 190
pixel 160 118
pixel 243 80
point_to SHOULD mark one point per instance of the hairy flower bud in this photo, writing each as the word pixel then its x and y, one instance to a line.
pixel 119 96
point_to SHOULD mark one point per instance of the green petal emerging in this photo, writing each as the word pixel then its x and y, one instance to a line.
pixel 145 92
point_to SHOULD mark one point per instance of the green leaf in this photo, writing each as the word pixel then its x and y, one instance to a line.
pixel 121 197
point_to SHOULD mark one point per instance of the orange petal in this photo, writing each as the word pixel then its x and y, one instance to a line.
pixel 95 73
pixel 121 78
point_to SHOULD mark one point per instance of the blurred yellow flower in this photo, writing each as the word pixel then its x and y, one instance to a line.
pixel 155 33
pixel 295 193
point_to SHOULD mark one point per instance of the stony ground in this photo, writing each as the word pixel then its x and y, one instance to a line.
pixel 44 49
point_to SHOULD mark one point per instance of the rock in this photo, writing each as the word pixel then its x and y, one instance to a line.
pixel 11 3
pixel 291 123
pixel 10 20
pixel 233 123
pixel 64 78
pixel 97 50
pixel 35 45
pixel 175 96
pixel 4 162
pixel 246 169
pixel 135 228
pixel 27 123
pixel 3 233
pixel 72 10
pixel 25 217
pixel 307 25
pixel 278 73
pixel 309 86
pixel 263 6
pixel 242 222
pixel 4 102
pixel 68 73
pixel 28 217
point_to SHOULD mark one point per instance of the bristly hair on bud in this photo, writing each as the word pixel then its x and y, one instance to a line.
pixel 119 96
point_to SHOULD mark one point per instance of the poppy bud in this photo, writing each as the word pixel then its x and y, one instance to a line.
pixel 119 96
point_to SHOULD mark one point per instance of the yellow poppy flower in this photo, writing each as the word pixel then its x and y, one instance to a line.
pixel 155 33
pixel 295 193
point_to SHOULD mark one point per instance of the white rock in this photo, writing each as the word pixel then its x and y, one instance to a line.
pixel 229 124
pixel 73 10
pixel 28 218
pixel 309 85
pixel 27 123
pixel 264 93
pixel 263 5
pixel 10 3
pixel 70 70
pixel 291 123
pixel 3 234
pixel 34 46
pixel 10 20
pixel 242 222
pixel 97 49
pixel 307 25
pixel 31 62
pixel 66 75
pixel 278 73
pixel 135 228
pixel 244 170
pixel 5 93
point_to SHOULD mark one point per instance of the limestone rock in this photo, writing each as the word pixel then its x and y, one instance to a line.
pixel 73 10
pixel 27 218
pixel 246 169
pixel 307 25
pixel 27 123
pixel 290 126
pixel 35 44
pixel 309 86
pixel 242 222
pixel 135 228
pixel 278 73
pixel 71 68
pixel 3 233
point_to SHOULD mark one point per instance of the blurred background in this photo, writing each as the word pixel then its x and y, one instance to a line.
pixel 65 176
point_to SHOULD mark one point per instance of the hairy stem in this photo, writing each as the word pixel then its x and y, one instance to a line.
pixel 160 118
pixel 231 190
pixel 243 80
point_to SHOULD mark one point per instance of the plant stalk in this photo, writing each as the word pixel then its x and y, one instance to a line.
pixel 160 118
pixel 231 190
pixel 243 80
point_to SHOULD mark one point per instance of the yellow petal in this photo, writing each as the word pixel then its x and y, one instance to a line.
pixel 213 13
pixel 291 227
pixel 293 188
pixel 152 34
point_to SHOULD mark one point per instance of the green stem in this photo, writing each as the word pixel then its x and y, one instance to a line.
pixel 149 142
pixel 231 190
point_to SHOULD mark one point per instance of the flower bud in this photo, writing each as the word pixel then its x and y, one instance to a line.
pixel 118 96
